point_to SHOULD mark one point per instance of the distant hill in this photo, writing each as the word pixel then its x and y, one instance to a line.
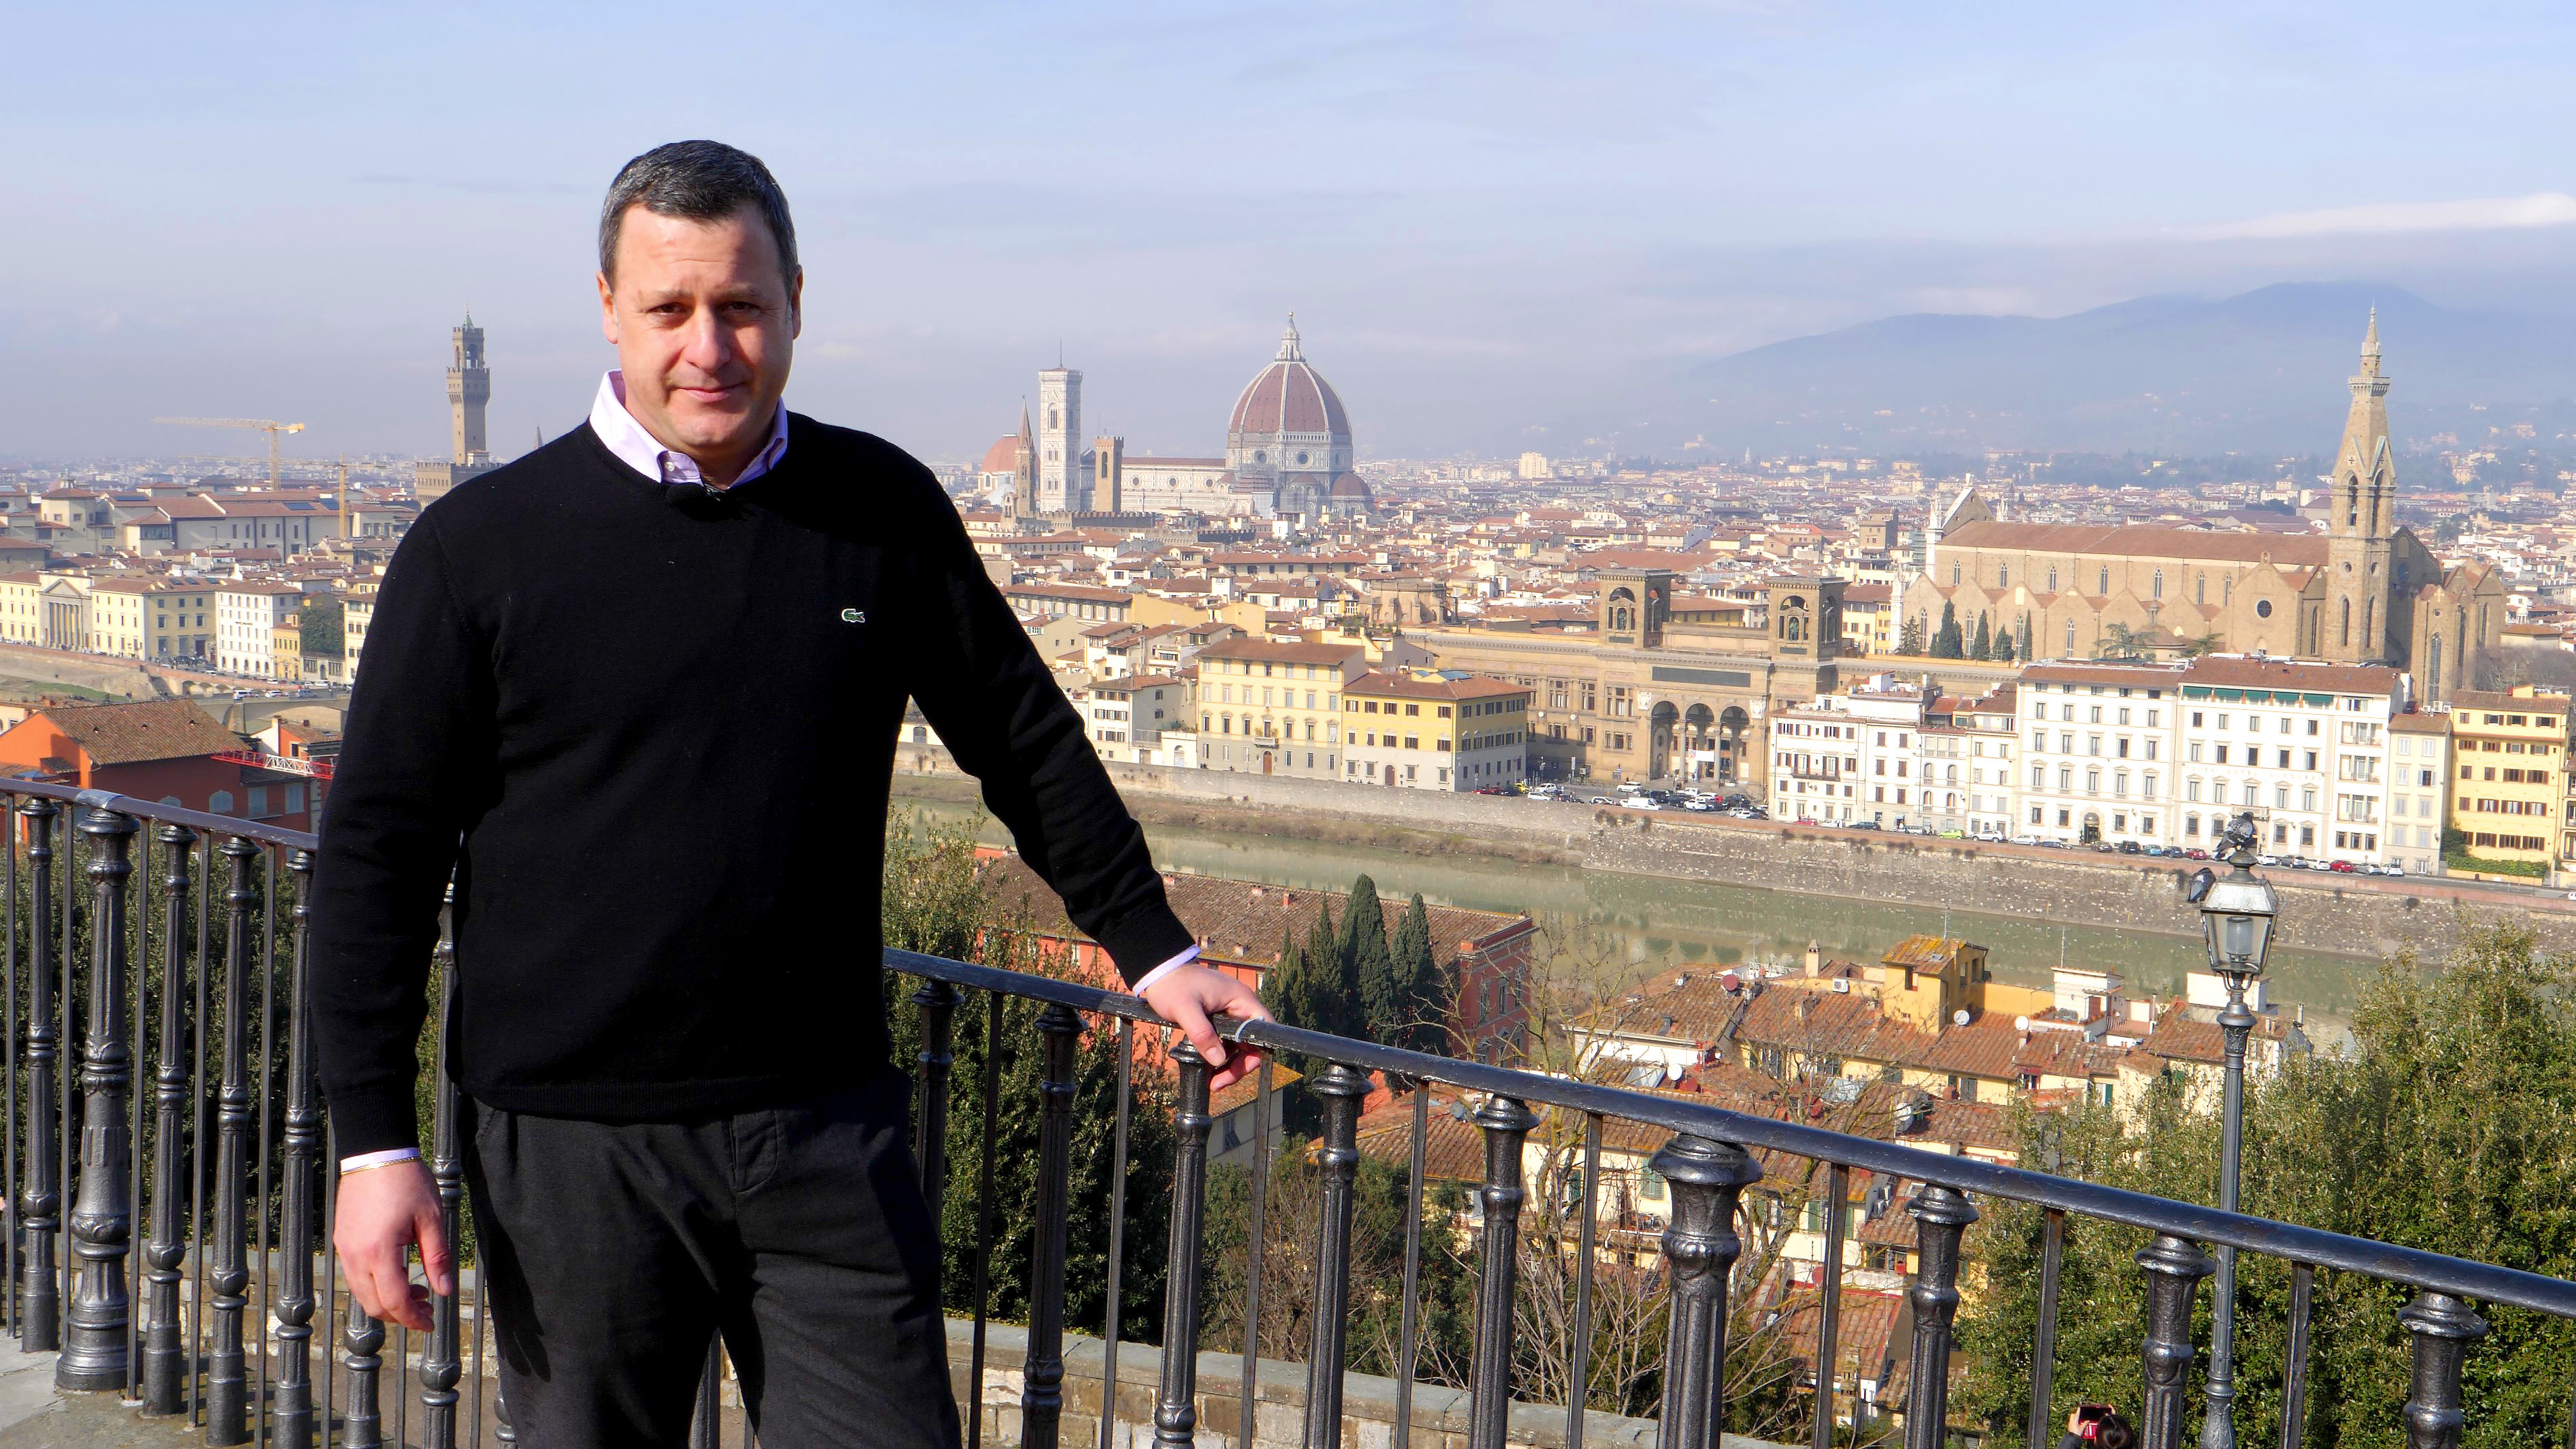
pixel 2260 373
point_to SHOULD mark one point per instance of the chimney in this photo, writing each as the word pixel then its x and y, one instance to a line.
pixel 1815 959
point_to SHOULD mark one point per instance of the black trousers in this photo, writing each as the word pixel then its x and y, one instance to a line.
pixel 614 1252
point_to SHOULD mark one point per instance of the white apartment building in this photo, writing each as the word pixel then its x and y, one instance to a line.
pixel 246 619
pixel 2305 747
pixel 1889 716
pixel 356 613
pixel 2419 784
pixel 1989 726
pixel 2099 761
pixel 1815 762
pixel 1139 720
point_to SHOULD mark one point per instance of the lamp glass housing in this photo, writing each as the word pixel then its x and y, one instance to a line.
pixel 2236 923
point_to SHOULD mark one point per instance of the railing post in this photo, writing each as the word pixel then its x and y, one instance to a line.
pixel 100 1318
pixel 1707 1178
pixel 2442 1326
pixel 227 1390
pixel 1506 1125
pixel 301 1164
pixel 40 1206
pixel 1176 1413
pixel 441 1361
pixel 1941 1215
pixel 1338 1162
pixel 362 1341
pixel 165 1348
pixel 1042 1394
pixel 938 1002
pixel 2175 1267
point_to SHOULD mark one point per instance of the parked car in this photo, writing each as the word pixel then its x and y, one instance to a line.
pixel 2131 847
pixel 1864 825
pixel 2347 867
pixel 2195 853
pixel 1491 790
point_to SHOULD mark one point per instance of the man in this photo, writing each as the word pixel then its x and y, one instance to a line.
pixel 639 693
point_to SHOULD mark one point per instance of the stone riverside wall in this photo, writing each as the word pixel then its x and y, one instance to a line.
pixel 1368 1402
pixel 2364 916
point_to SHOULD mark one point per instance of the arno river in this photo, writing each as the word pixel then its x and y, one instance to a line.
pixel 1653 921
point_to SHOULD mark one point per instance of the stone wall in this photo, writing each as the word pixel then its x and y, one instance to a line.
pixel 1439 1414
pixel 2364 916
pixel 2342 914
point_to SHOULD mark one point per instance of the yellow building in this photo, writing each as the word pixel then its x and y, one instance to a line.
pixel 183 620
pixel 21 614
pixel 149 618
pixel 1275 708
pixel 286 648
pixel 1423 730
pixel 2510 750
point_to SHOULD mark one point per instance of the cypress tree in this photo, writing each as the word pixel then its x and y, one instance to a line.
pixel 1376 991
pixel 1946 643
pixel 1322 942
pixel 1427 999
pixel 1985 645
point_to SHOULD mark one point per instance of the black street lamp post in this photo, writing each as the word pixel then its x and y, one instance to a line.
pixel 2236 915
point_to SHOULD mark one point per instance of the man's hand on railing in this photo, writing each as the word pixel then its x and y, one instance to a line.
pixel 1188 996
pixel 382 1212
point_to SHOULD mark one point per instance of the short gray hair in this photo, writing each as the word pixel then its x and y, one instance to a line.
pixel 699 180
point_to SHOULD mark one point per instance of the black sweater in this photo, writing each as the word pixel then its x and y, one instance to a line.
pixel 651 729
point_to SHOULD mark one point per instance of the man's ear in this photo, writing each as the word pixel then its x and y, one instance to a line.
pixel 796 304
pixel 607 308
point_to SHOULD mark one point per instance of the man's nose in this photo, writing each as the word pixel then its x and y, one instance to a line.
pixel 707 347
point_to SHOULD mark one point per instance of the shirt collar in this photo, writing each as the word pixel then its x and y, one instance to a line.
pixel 644 453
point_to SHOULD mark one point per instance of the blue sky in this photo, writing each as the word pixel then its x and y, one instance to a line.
pixel 1481 213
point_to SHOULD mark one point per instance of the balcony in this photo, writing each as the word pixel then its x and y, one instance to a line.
pixel 151 1237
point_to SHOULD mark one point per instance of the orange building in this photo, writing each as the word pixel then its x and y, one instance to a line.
pixel 165 750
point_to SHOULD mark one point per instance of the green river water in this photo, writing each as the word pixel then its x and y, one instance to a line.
pixel 1654 922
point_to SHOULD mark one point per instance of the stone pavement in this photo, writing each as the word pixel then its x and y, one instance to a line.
pixel 34 1416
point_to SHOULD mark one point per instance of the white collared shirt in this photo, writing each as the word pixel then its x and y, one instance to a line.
pixel 644 453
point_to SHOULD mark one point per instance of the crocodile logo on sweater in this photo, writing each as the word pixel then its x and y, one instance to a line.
pixel 854 616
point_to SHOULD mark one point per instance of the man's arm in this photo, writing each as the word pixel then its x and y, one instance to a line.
pixel 982 685
pixel 415 759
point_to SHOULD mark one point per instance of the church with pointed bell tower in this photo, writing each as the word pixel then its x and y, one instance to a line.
pixel 2366 553
pixel 2364 591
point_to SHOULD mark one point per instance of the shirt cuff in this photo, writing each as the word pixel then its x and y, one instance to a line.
pixel 366 1160
pixel 1188 955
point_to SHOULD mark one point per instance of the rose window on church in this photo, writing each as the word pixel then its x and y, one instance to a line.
pixel 2262 608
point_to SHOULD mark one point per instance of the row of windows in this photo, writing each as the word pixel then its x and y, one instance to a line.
pixel 2511 776
pixel 2093 745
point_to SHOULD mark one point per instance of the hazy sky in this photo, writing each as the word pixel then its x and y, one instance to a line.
pixel 1480 213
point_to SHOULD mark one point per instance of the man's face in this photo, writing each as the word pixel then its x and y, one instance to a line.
pixel 705 323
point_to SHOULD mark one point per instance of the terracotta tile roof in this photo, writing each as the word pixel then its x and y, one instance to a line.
pixel 125 734
pixel 1453 1150
pixel 2139 541
pixel 1406 687
pixel 2282 674
pixel 1925 953
pixel 1236 1093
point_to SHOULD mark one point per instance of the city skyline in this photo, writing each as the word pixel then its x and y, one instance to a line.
pixel 1493 216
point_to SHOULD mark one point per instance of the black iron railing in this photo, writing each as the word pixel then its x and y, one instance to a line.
pixel 201 973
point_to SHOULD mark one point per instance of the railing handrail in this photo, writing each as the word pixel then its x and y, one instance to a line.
pixel 2414 1267
pixel 199 820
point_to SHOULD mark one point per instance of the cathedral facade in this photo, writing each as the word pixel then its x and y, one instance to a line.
pixel 1287 455
pixel 2366 591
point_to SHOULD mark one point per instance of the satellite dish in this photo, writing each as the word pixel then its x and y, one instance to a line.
pixel 2021 1023
pixel 1672 1071
pixel 1959 1017
pixel 2196 889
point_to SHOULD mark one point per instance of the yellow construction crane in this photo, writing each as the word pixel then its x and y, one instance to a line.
pixel 263 424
